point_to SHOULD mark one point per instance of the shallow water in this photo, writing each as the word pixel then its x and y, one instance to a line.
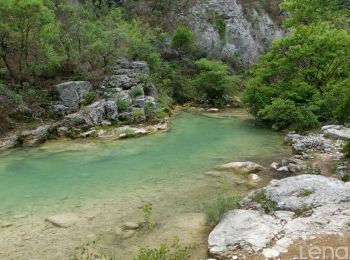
pixel 60 175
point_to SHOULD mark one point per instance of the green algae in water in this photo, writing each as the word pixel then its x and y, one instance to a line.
pixel 36 179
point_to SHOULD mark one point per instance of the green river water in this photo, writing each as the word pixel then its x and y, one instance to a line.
pixel 63 175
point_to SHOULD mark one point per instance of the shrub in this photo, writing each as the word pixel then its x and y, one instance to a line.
pixel 283 113
pixel 346 178
pixel 137 113
pixel 266 203
pixel 90 98
pixel 213 81
pixel 215 209
pixel 183 39
pixel 165 252
pixel 123 104
pixel 311 86
pixel 136 92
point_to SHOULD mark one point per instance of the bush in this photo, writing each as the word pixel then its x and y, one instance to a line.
pixel 136 92
pixel 283 113
pixel 183 39
pixel 122 104
pixel 90 98
pixel 346 178
pixel 307 87
pixel 215 209
pixel 213 81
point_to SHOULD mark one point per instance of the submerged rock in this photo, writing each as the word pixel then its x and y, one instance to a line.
pixel 130 225
pixel 241 167
pixel 64 220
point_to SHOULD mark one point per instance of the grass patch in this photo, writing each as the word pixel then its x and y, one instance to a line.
pixel 215 209
pixel 122 104
pixel 313 171
pixel 306 192
pixel 266 203
pixel 302 212
pixel 175 251
pixel 136 92
pixel 90 98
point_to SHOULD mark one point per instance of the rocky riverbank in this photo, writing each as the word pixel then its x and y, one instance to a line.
pixel 124 105
pixel 308 201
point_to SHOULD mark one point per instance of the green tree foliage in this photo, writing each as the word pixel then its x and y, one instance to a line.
pixel 45 38
pixel 303 12
pixel 183 39
pixel 28 36
pixel 302 72
pixel 213 82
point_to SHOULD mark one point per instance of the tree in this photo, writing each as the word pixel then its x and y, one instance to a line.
pixel 303 67
pixel 303 12
pixel 213 81
pixel 183 39
pixel 28 34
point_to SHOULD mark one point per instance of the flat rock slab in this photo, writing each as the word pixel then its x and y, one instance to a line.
pixel 336 132
pixel 241 167
pixel 242 229
pixel 64 220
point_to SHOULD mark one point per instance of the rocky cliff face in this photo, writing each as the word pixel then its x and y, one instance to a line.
pixel 237 31
pixel 233 31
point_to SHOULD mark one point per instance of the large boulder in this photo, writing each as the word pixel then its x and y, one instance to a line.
pixel 72 93
pixel 241 167
pixel 77 119
pixel 336 132
pixel 302 207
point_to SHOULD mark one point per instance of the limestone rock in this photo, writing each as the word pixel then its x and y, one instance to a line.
pixel 248 32
pixel 72 93
pixel 9 142
pixel 336 132
pixel 242 229
pixel 312 142
pixel 241 167
pixel 305 206
pixel 36 136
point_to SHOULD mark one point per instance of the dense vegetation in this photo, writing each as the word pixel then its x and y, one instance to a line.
pixel 305 78
pixel 301 82
pixel 43 42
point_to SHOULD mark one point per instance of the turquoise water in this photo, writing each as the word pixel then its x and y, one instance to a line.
pixel 35 179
